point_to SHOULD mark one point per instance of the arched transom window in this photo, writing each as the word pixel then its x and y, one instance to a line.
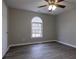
pixel 37 27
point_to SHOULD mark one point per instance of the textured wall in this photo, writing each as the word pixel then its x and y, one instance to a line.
pixel 20 27
pixel 66 27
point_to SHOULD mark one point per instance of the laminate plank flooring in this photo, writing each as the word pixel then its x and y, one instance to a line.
pixel 52 50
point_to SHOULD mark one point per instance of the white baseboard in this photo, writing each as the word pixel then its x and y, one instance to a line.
pixel 67 44
pixel 5 52
pixel 12 45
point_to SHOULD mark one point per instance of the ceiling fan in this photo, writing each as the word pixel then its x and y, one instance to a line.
pixel 53 4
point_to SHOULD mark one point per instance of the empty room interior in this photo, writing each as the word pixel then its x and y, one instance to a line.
pixel 38 29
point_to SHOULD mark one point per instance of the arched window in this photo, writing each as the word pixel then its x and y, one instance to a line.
pixel 36 27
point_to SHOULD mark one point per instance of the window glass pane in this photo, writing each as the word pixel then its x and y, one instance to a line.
pixel 36 35
pixel 36 32
pixel 36 29
pixel 40 25
pixel 37 19
pixel 39 32
pixel 33 24
pixel 33 31
pixel 33 35
pixel 39 35
pixel 33 27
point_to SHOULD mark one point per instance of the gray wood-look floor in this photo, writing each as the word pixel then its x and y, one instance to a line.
pixel 51 50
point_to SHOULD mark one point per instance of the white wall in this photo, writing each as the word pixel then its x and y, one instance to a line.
pixel 66 27
pixel 20 27
pixel 4 29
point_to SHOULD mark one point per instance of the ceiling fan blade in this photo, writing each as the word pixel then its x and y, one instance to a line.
pixel 42 6
pixel 46 0
pixel 49 1
pixel 61 6
pixel 60 0
pixel 54 0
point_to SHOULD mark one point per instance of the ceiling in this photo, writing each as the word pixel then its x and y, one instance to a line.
pixel 32 5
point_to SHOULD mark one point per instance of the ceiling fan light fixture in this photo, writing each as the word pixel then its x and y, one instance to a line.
pixel 52 7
